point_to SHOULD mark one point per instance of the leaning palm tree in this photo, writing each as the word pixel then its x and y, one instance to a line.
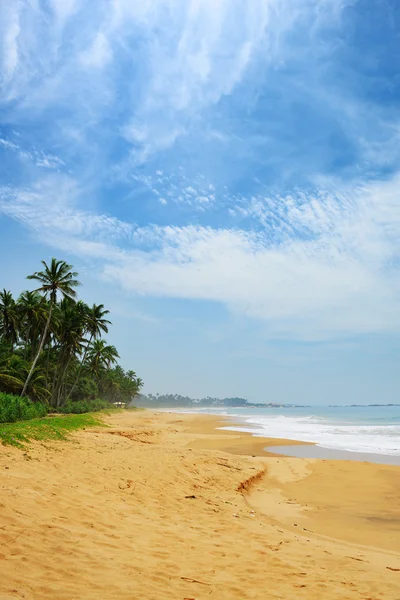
pixel 55 278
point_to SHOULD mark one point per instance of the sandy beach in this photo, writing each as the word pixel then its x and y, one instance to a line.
pixel 164 506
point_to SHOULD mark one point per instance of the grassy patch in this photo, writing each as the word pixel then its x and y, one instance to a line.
pixel 48 428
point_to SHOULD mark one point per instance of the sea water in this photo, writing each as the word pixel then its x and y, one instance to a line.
pixel 365 429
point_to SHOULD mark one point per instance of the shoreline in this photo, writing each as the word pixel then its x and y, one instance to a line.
pixel 163 505
pixel 271 446
pixel 212 435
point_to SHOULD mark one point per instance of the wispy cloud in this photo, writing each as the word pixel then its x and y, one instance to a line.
pixel 10 31
pixel 237 152
pixel 32 154
pixel 327 267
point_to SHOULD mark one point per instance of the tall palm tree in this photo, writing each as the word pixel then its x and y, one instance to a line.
pixel 8 318
pixel 55 278
pixel 69 335
pixel 95 324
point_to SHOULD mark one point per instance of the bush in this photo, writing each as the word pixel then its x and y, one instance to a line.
pixel 85 406
pixel 14 408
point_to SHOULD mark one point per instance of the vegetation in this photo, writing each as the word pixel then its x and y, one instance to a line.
pixel 17 408
pixel 50 428
pixel 85 406
pixel 174 400
pixel 52 351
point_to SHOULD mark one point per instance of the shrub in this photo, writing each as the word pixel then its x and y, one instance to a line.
pixel 85 406
pixel 14 408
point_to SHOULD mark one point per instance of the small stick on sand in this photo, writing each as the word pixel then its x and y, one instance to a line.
pixel 190 580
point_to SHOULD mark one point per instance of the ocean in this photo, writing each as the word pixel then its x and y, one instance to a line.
pixel 372 429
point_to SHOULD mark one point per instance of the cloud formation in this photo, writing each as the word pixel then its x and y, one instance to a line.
pixel 326 267
pixel 219 150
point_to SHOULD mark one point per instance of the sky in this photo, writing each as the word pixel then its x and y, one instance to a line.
pixel 224 175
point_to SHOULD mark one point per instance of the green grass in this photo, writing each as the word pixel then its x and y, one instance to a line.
pixel 48 428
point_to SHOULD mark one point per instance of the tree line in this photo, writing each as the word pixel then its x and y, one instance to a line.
pixel 51 344
pixel 177 400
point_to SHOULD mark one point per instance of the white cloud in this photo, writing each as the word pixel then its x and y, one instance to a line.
pixel 38 157
pixel 63 9
pixel 340 278
pixel 48 161
pixel 11 27
pixel 99 54
pixel 179 57
pixel 314 265
pixel 193 62
pixel 9 145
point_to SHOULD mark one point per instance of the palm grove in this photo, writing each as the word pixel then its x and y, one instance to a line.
pixel 51 346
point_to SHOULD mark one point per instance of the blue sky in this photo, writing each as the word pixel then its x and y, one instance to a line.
pixel 224 175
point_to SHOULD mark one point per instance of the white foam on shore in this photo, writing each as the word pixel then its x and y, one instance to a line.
pixel 375 439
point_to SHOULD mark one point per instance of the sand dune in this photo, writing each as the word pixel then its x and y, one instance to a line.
pixel 150 509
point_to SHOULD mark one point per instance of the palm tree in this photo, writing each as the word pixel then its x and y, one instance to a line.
pixel 95 324
pixel 31 309
pixel 13 372
pixel 69 335
pixel 101 356
pixel 95 321
pixel 55 278
pixel 8 318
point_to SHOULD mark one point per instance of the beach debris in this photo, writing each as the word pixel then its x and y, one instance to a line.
pixel 356 558
pixel 392 569
pixel 190 580
pixel 191 496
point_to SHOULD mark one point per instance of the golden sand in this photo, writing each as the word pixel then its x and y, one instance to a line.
pixel 163 506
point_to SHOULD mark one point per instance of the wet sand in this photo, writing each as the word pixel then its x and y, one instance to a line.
pixel 313 451
pixel 163 506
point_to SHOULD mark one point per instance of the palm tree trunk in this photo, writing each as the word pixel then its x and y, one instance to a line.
pixel 62 377
pixel 38 352
pixel 78 375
